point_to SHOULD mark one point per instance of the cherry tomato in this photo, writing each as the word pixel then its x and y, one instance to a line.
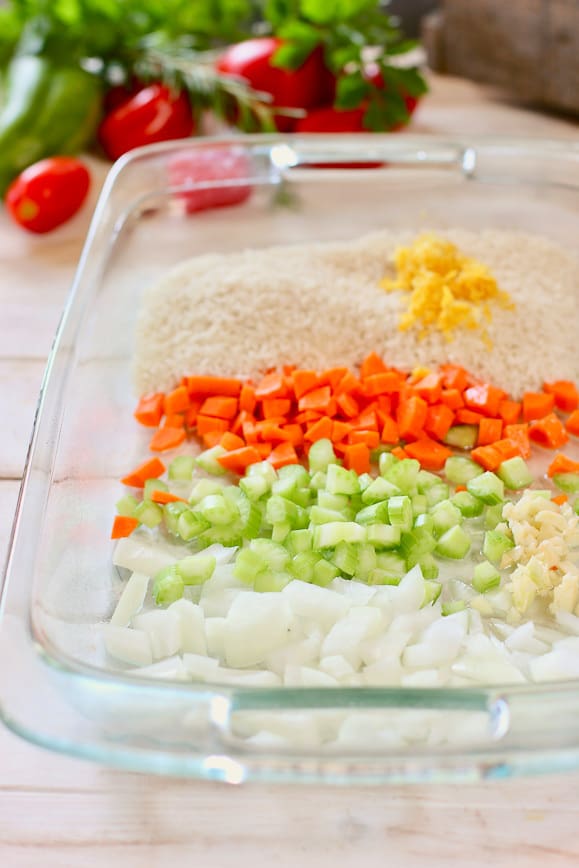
pixel 154 114
pixel 332 120
pixel 211 164
pixel 48 193
pixel 296 88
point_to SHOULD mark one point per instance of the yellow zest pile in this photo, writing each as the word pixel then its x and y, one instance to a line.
pixel 447 289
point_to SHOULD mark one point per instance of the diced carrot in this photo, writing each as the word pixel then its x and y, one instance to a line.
pixel 506 448
pixel 166 438
pixel 159 496
pixel 509 411
pixel 399 453
pixel 452 399
pixel 384 404
pixel 460 488
pixel 487 456
pixel 340 430
pixel 238 459
pixel 454 377
pixel 429 388
pixel 173 420
pixel 520 434
pixel 283 454
pixel 489 430
pixel 483 398
pixel 294 434
pixel 464 416
pixel 572 423
pixel 560 499
pixel 349 383
pixel 250 435
pixel 210 423
pixel 272 385
pixel 264 449
pixel 366 420
pixel 537 405
pixel 270 430
pixel 149 410
pixel 390 433
pixel 340 448
pixel 372 364
pixel 370 438
pixel 272 407
pixel 549 432
pixel 123 525
pixel 332 377
pixel 176 401
pixel 357 457
pixel 565 394
pixel 317 399
pixel 304 381
pixel 191 414
pixel 319 430
pixel 211 438
pixel 222 406
pixel 247 399
pixel 431 454
pixel 385 383
pixel 151 469
pixel 348 405
pixel 231 441
pixel 411 416
pixel 204 385
pixel 307 416
pixel 439 419
pixel 562 464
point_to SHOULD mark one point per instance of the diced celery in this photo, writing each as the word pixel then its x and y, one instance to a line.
pixel 148 513
pixel 432 591
pixel 341 481
pixel 417 542
pixel 345 558
pixel 167 586
pixel 217 510
pixel 302 565
pixel 127 505
pixel 493 515
pixel 419 504
pixel 424 521
pixel 254 487
pixel 436 493
pixel 190 525
pixel 462 436
pixel 391 562
pixel 196 569
pixel 182 468
pixel 444 516
pixel 365 479
pixel 331 534
pixel 576 506
pixel 379 489
pixel 469 505
pixel 299 541
pixel 263 469
pixel 400 511
pixel 495 545
pixel 386 461
pixel 404 475
pixel 284 486
pixel 321 456
pixel 380 576
pixel 318 480
pixel 248 565
pixel 325 572
pixel 429 566
pixel 275 556
pixel 280 531
pixel 426 480
pixel 297 472
pixel 366 560
pixel 374 513
pixel 280 509
pixel 487 487
pixel 459 469
pixel 321 515
pixel 271 581
pixel 224 534
pixel 208 462
pixel 455 543
pixel 152 485
pixel 568 482
pixel 451 607
pixel 338 502
pixel 383 536
pixel 203 488
pixel 515 474
pixel 486 577
pixel 171 515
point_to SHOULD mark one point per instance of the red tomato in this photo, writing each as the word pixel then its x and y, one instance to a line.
pixel 48 193
pixel 120 93
pixel 296 88
pixel 332 120
pixel 211 164
pixel 154 114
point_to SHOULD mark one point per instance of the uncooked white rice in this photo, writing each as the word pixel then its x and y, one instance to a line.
pixel 319 305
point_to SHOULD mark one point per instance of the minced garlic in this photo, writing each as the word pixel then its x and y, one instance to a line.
pixel 447 289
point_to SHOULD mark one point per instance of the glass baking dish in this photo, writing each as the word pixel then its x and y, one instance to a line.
pixel 57 687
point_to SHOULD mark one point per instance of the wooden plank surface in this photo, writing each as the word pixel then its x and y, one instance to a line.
pixel 55 811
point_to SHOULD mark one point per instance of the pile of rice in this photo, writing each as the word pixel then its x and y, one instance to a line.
pixel 320 305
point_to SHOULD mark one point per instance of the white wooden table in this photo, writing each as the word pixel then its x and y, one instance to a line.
pixel 56 811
